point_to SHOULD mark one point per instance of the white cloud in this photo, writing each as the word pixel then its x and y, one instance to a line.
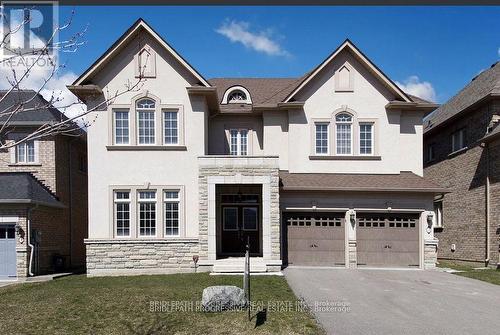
pixel 498 51
pixel 55 87
pixel 421 89
pixel 238 32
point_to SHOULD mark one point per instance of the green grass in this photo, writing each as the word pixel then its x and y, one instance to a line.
pixel 121 305
pixel 487 275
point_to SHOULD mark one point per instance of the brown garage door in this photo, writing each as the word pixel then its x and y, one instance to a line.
pixel 387 240
pixel 315 239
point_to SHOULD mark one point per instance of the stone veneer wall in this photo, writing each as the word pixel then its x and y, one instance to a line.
pixel 239 167
pixel 430 254
pixel 121 257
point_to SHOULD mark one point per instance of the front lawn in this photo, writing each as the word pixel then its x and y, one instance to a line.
pixel 488 275
pixel 125 305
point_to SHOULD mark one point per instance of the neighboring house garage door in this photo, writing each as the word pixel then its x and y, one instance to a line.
pixel 387 240
pixel 7 251
pixel 315 239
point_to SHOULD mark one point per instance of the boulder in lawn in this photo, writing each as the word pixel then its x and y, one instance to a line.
pixel 223 298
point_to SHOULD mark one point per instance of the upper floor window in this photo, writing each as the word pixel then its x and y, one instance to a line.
pixel 236 94
pixel 344 133
pixel 366 138
pixel 321 138
pixel 25 152
pixel 431 153
pixel 146 121
pixel 238 142
pixel 458 140
pixel 122 124
pixel 170 127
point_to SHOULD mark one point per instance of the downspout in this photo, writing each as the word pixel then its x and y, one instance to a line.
pixel 28 238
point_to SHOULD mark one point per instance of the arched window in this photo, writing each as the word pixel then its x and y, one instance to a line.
pixel 237 96
pixel 343 123
pixel 146 121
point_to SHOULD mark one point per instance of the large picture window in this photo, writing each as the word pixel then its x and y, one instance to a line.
pixel 147 213
pixel 146 121
pixel 171 203
pixel 344 134
pixel 122 213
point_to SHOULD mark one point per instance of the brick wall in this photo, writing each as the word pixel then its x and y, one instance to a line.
pixel 464 173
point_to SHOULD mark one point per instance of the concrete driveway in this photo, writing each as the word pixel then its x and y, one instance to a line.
pixel 397 301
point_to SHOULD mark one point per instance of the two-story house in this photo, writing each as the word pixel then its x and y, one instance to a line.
pixel 462 153
pixel 322 170
pixel 43 191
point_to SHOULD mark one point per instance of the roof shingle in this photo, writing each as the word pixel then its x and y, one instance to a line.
pixel 23 187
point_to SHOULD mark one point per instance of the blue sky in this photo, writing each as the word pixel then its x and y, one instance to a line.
pixel 434 51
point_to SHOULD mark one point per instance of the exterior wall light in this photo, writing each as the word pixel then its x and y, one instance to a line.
pixel 352 218
pixel 19 232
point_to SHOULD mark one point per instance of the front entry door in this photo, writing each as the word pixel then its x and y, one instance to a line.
pixel 240 222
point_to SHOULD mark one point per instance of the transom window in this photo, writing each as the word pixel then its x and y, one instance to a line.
pixel 322 138
pixel 365 138
pixel 170 127
pixel 171 201
pixel 237 96
pixel 25 152
pixel 146 121
pixel 121 126
pixel 122 213
pixel 458 140
pixel 344 133
pixel 147 213
pixel 238 142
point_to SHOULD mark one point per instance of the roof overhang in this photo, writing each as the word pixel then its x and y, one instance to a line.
pixel 366 189
pixel 30 202
pixel 426 108
pixel 360 57
pixel 85 91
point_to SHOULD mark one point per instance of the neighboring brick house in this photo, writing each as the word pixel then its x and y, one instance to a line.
pixel 321 170
pixel 461 152
pixel 43 193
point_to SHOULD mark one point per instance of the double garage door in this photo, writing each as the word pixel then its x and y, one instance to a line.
pixel 318 239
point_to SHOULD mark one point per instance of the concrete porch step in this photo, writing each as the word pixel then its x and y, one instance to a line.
pixel 237 265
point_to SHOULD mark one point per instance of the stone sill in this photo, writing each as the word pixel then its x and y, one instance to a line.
pixel 24 164
pixel 346 158
pixel 142 241
pixel 146 148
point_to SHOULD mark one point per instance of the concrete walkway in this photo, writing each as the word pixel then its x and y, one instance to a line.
pixel 397 301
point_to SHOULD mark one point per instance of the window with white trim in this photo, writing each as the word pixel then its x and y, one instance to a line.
pixel 238 142
pixel 171 203
pixel 458 140
pixel 344 134
pixel 122 213
pixel 122 125
pixel 170 127
pixel 25 152
pixel 366 138
pixel 321 138
pixel 237 96
pixel 146 121
pixel 147 213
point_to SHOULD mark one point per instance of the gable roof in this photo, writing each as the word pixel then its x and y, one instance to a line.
pixel 124 39
pixel 363 59
pixel 486 84
pixel 262 90
pixel 24 188
pixel 36 108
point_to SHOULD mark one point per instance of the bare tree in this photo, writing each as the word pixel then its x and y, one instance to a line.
pixel 21 64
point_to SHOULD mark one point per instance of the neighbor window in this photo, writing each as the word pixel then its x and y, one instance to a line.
pixel 458 140
pixel 121 126
pixel 431 154
pixel 321 138
pixel 171 200
pixel 147 213
pixel 122 213
pixel 344 134
pixel 170 127
pixel 25 152
pixel 365 138
pixel 146 121
pixel 238 142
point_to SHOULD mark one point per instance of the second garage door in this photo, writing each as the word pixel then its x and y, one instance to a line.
pixel 315 239
pixel 387 240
